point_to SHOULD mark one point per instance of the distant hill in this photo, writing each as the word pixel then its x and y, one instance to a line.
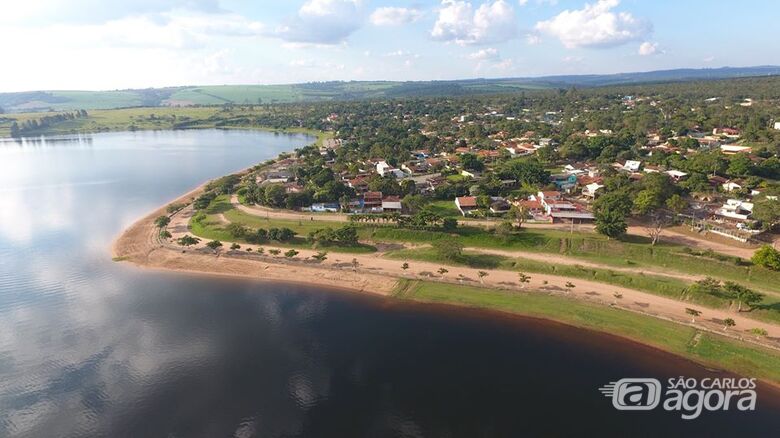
pixel 319 91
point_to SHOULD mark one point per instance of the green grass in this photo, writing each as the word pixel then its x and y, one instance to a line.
pixel 211 228
pixel 654 284
pixel 710 349
pixel 444 208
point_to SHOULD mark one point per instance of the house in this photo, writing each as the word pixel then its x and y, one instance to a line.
pixel 591 190
pixel 732 149
pixel 777 126
pixel 325 208
pixel 534 206
pixel 632 165
pixel 736 209
pixel 499 205
pixel 726 132
pixel 382 167
pixel 391 203
pixel 730 186
pixel 564 182
pixel 466 204
pixel 676 175
pixel 276 177
pixel 372 201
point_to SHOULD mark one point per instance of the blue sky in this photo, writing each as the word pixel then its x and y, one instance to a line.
pixel 110 44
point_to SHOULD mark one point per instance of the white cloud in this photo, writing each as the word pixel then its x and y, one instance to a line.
pixel 648 48
pixel 533 39
pixel 459 22
pixel 322 22
pixel 40 12
pixel 391 16
pixel 595 26
pixel 485 55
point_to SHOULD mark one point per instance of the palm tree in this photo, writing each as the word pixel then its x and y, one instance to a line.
pixel 442 271
pixel 214 245
pixel 694 313
pixel 291 253
pixel 569 286
pixel 728 322
pixel 320 256
pixel 162 221
pixel 355 264
pixel 758 332
pixel 405 266
pixel 482 275
pixel 523 279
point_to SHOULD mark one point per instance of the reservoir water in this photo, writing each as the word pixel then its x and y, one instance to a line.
pixel 90 347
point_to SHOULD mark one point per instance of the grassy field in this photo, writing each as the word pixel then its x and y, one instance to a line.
pixel 708 349
pixel 211 228
pixel 586 247
pixel 654 284
pixel 150 118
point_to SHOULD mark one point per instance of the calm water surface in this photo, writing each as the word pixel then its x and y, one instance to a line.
pixel 89 347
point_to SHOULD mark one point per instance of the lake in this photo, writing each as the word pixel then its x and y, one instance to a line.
pixel 89 347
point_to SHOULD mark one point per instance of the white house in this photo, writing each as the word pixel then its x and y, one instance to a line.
pixel 591 189
pixel 676 175
pixel 632 165
pixel 777 126
pixel 736 209
pixel 730 186
pixel 382 167
pixel 731 149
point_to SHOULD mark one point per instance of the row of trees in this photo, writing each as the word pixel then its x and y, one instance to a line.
pixel 32 126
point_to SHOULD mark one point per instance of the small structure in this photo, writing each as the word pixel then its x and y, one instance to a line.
pixel 736 209
pixel 372 202
pixel 730 186
pixel 591 190
pixel 632 165
pixel 466 204
pixel 564 182
pixel 676 175
pixel 391 204
pixel 325 208
pixel 732 149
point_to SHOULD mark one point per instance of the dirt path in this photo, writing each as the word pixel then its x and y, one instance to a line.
pixel 378 275
pixel 667 236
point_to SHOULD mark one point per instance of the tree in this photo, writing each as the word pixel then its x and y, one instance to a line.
pixel 569 286
pixel 320 256
pixel 442 271
pixel 214 245
pixel 655 226
pixel 274 195
pixel 15 131
pixel 767 257
pixel 162 221
pixel 275 252
pixel 235 246
pixel 291 253
pixel 187 240
pixel 448 249
pixel 236 230
pixel 449 224
pixel 728 322
pixel 768 212
pixel 647 201
pixel 165 234
pixel 742 295
pixel 482 275
pixel 611 223
pixel 694 314
pixel 405 266
pixel 520 213
pixel 523 278
pixel 676 203
pixel 355 264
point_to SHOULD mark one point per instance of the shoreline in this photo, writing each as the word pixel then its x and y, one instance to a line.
pixel 140 245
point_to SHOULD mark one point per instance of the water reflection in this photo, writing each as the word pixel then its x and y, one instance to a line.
pixel 89 347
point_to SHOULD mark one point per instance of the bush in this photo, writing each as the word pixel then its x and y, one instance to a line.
pixel 767 257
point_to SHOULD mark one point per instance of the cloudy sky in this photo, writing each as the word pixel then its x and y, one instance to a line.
pixel 111 44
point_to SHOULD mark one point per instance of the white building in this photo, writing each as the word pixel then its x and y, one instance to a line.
pixel 777 126
pixel 736 209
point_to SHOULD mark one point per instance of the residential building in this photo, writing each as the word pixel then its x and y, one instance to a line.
pixel 466 204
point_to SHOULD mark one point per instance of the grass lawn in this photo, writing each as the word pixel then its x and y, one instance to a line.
pixel 211 228
pixel 711 349
pixel 654 284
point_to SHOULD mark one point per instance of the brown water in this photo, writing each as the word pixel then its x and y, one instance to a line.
pixel 89 347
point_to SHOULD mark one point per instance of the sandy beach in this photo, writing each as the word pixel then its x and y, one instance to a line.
pixel 140 245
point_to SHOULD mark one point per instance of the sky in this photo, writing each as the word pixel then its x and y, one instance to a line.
pixel 119 44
